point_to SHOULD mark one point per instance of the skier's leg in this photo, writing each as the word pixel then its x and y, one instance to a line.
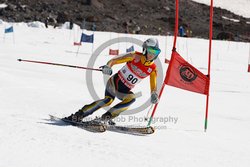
pixel 90 108
pixel 120 107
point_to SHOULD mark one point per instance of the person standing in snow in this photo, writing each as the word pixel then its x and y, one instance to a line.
pixel 138 66
pixel 181 31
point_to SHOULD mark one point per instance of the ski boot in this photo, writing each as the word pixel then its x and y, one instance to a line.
pixel 77 117
pixel 107 118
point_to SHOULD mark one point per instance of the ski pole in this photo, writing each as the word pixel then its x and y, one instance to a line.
pixel 57 64
pixel 147 117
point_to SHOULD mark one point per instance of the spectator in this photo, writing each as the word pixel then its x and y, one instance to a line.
pixel 46 22
pixel 137 29
pixel 71 24
pixel 94 27
pixel 181 31
pixel 188 31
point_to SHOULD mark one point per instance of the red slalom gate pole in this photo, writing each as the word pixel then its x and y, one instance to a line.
pixel 57 64
pixel 209 60
pixel 174 48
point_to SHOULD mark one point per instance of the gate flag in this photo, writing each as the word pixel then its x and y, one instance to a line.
pixel 131 49
pixel 9 30
pixel 113 52
pixel 183 75
pixel 87 38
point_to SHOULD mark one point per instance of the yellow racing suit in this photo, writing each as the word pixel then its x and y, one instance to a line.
pixel 120 84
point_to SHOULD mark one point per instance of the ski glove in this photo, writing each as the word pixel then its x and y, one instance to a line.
pixel 106 70
pixel 154 98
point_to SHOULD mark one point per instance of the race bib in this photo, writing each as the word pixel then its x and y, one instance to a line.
pixel 128 77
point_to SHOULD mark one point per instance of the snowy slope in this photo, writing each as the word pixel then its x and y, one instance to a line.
pixel 30 92
pixel 239 7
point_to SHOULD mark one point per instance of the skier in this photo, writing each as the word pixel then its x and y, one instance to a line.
pixel 138 66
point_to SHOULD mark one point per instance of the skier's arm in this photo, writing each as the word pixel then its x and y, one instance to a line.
pixel 153 81
pixel 121 59
pixel 153 86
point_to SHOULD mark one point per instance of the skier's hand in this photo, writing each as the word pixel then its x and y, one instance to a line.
pixel 154 98
pixel 106 70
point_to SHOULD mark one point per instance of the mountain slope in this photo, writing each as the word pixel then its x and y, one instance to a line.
pixel 140 16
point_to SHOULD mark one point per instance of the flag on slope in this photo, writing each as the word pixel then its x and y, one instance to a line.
pixel 9 30
pixel 113 52
pixel 131 49
pixel 183 75
pixel 87 38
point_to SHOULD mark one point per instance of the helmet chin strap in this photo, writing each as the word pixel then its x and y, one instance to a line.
pixel 147 61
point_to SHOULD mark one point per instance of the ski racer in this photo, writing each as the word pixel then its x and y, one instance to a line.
pixel 138 66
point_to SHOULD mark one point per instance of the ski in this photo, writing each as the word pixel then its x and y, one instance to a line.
pixel 131 129
pixel 92 126
pixel 97 126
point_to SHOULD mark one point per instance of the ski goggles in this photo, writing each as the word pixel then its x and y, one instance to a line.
pixel 153 51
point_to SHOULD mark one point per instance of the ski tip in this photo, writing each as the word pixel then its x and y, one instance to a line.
pixel 19 59
pixel 150 130
pixel 54 118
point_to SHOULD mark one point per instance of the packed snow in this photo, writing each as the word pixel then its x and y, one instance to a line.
pixel 30 92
